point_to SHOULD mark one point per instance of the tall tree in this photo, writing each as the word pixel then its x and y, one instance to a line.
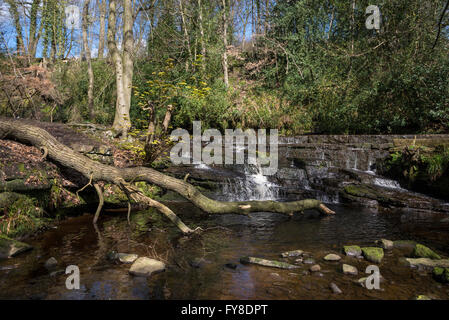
pixel 13 10
pixel 225 44
pixel 90 90
pixel 124 64
pixel 102 6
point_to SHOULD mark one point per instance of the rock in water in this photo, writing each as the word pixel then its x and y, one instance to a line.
pixel 11 248
pixel 294 253
pixel 386 244
pixel 145 267
pixel 335 289
pixel 373 254
pixel 332 257
pixel 422 297
pixel 425 262
pixel 51 264
pixel 127 257
pixel 347 269
pixel 267 263
pixel 424 252
pixel 441 274
pixel 353 251
pixel 315 268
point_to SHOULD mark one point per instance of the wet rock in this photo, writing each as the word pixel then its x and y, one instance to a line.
pixel 441 274
pixel 373 254
pixel 315 268
pixel 276 275
pixel 294 253
pixel 11 248
pixel 267 263
pixel 231 265
pixel 299 260
pixel 332 257
pixel 385 244
pixel 445 220
pixel 51 263
pixel 309 261
pixel 335 289
pixel 353 251
pixel 421 251
pixel 145 267
pixel 426 262
pixel 127 257
pixel 112 255
pixel 57 273
pixel 350 270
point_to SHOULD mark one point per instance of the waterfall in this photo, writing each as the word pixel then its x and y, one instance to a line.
pixel 254 186
pixel 387 183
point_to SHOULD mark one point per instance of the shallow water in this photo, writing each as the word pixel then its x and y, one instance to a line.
pixel 196 265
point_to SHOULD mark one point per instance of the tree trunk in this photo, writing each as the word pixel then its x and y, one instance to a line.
pixel 186 35
pixel 225 45
pixel 96 172
pixel 102 29
pixel 203 44
pixel 34 34
pixel 16 17
pixel 90 90
pixel 123 66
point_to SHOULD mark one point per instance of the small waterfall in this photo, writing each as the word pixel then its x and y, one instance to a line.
pixel 386 183
pixel 255 186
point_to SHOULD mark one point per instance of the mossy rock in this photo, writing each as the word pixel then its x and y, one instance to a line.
pixel 354 251
pixel 11 248
pixel 373 254
pixel 421 251
pixel 441 274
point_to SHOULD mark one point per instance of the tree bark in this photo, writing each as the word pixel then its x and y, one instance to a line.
pixel 102 29
pixel 203 44
pixel 16 17
pixel 96 172
pixel 90 72
pixel 225 45
pixel 123 65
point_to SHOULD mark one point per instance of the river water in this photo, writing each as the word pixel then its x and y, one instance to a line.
pixel 196 265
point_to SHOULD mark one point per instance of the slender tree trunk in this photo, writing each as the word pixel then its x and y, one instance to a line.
pixel 34 34
pixel 90 90
pixel 203 44
pixel 123 66
pixel 102 29
pixel 13 10
pixel 186 34
pixel 225 45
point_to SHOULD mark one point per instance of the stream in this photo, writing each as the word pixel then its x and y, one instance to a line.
pixel 196 266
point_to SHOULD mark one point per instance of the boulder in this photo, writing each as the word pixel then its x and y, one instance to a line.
pixel 373 254
pixel 315 268
pixel 348 269
pixel 441 274
pixel 386 244
pixel 11 248
pixel 353 251
pixel 421 251
pixel 332 257
pixel 145 267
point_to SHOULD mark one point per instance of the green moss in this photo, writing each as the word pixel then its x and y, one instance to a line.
pixel 373 254
pixel 10 247
pixel 352 250
pixel 425 252
pixel 441 274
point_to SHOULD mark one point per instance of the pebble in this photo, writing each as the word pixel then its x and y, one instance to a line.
pixel 335 289
pixel 315 268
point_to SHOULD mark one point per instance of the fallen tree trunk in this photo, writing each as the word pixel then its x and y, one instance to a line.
pixel 96 172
